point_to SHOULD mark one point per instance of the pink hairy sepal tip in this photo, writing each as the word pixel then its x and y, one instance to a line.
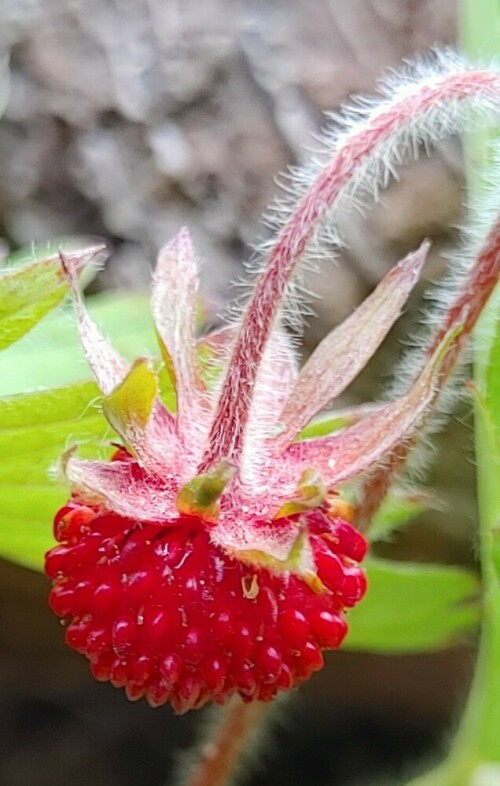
pixel 161 611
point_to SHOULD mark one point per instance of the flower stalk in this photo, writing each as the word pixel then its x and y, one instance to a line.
pixel 221 753
pixel 463 312
pixel 474 757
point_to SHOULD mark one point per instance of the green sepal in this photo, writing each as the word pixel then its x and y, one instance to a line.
pixel 128 408
pixel 200 496
pixel 311 493
pixel 168 364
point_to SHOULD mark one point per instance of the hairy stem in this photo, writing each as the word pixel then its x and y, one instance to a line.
pixel 377 485
pixel 221 751
pixel 464 312
pixel 363 158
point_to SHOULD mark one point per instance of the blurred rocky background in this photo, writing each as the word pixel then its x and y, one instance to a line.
pixel 126 119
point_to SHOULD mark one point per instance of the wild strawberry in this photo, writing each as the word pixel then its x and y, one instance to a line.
pixel 160 610
pixel 213 555
pixel 183 579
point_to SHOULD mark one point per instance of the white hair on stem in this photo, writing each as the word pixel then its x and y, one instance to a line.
pixel 458 293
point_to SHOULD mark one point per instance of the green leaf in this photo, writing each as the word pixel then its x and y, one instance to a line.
pixel 329 422
pixel 399 508
pixel 35 429
pixel 412 608
pixel 487 394
pixel 29 292
pixel 51 354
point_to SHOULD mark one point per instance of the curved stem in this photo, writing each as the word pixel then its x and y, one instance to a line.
pixel 362 160
pixel 221 751
pixel 464 311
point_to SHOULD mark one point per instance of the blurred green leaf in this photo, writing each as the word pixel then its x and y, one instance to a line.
pixel 35 429
pixel 323 426
pixel 329 422
pixel 4 81
pixel 51 354
pixel 413 607
pixel 486 389
pixel 400 507
pixel 488 371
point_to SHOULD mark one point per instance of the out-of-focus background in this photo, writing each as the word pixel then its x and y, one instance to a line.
pixel 126 119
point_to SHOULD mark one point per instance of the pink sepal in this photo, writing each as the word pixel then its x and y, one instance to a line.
pixel 173 303
pixel 122 487
pixel 357 448
pixel 277 375
pixel 108 366
pixel 346 350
